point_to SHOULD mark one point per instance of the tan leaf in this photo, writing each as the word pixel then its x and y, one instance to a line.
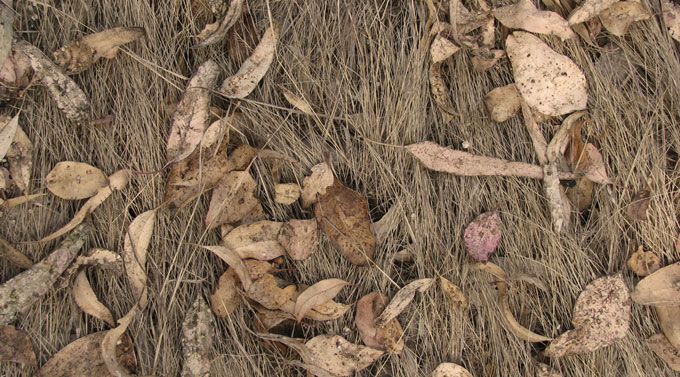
pixel 257 240
pixel 265 320
pixel 16 346
pixel 137 240
pixel 286 193
pixel 581 195
pixel 588 9
pixel 671 18
pixel 440 92
pixel 253 69
pixel 660 288
pixel 327 311
pixel 69 97
pixel 257 268
pixel 20 158
pixel 442 48
pixel 214 33
pixel 88 302
pixel 299 238
pixel 298 102
pixel 216 133
pixel 78 55
pixel 316 183
pixel 643 263
pixel 594 168
pixel 390 337
pixel 317 294
pixel 617 18
pixel 639 204
pixel 266 292
pixel 225 298
pixel 502 103
pixel 484 59
pixel 234 261
pixel 336 355
pixel 450 370
pixel 193 113
pixel 665 350
pixel 197 340
pixel 388 223
pixel 116 366
pixel 14 256
pixel 549 82
pixel 402 299
pixel 454 293
pixel 73 180
pixel 601 317
pixel 669 323
pixel 7 131
pixel 524 15
pixel 232 200
pixel 342 214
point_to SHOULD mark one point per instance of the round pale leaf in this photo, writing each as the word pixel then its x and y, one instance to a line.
pixel 73 180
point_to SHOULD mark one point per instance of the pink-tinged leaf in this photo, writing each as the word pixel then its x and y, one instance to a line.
pixel 482 236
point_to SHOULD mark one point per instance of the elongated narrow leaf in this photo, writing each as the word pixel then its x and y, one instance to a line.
pixel 234 261
pixel 317 294
pixel 88 302
pixel 9 253
pixel 401 300
pixel 136 244
pixel 20 158
pixel 110 342
pixel 16 346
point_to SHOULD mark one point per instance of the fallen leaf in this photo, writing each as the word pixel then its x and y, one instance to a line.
pixel 450 370
pixel 234 261
pixel 225 298
pixel 643 263
pixel 257 268
pixel 191 117
pixel 294 343
pixel 215 32
pixel 6 32
pixel 601 317
pixel 440 93
pixel 109 346
pixel 639 204
pixel 316 184
pixel 69 97
pixel 524 15
pixel 253 69
pixel 502 103
pixel 299 238
pixel 267 293
pixel 216 133
pixel 671 18
pixel 14 256
pixel 442 48
pixel 388 338
pixel 594 168
pixel 14 75
pixel 665 350
pixel 317 294
pixel 336 355
pixel 136 243
pixel 401 300
pixel 16 346
pixel 482 236
pixel 618 17
pixel 7 132
pixel 342 214
pixel 20 158
pixel 88 302
pixel 264 320
pixel 232 200
pixel 549 82
pixel 581 194
pixel 660 288
pixel 298 102
pixel 73 180
pixel 454 293
pixel 257 240
pixel 197 340
pixel 79 55
pixel 22 291
pixel 327 311
pixel 668 321
pixel 588 9
pixel 286 193
pixel 483 59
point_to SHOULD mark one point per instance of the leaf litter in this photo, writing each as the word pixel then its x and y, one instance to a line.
pixel 87 300
pixel 16 346
pixel 660 288
pixel 7 133
pixel 389 337
pixel 524 15
pixel 20 159
pixel 72 180
pixel 215 32
pixel 402 299
pixel 137 240
pixel 317 294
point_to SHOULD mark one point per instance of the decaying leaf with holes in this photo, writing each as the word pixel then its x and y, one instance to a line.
pixel 660 288
pixel 316 184
pixel 215 32
pixel 256 240
pixel 524 15
pixel 16 347
pixel 137 240
pixel 87 300
pixel 601 317
pixel 450 370
pixel 72 180
pixel 232 200
pixel 665 350
pixel 299 238
pixel 502 103
pixel 336 355
pixel 643 263
pixel 317 294
pixel 482 236
pixel 20 159
pixel 389 337
pixel 197 340
pixel 402 299
pixel 79 55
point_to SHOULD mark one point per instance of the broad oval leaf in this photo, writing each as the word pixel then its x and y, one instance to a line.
pixel 266 292
pixel 225 298
pixel 401 300
pixel 73 180
pixel 669 323
pixel 659 288
pixel 16 346
pixel 665 350
pixel 232 200
pixel 617 18
pixel 316 184
pixel 299 238
pixel 336 355
pixel 257 240
pixel 317 294
pixel 482 236
pixel 502 103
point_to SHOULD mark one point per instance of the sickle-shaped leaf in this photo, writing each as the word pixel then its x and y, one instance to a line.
pixel 137 241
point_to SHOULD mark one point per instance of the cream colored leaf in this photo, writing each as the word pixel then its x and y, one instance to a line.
pixel 254 68
pixel 588 9
pixel 110 342
pixel 286 193
pixel 327 311
pixel 549 82
pixel 7 132
pixel 197 340
pixel 267 293
pixel 316 183
pixel 484 59
pixel 88 302
pixel 317 294
pixel 225 298
pixel 665 350
pixel 216 133
pixel 671 18
pixel 450 370
pixel 73 180
pixel 336 355
pixel 298 102
pixel 232 200
pixel 402 299
pixel 256 240
pixel 617 18
pixel 594 168
pixel 524 15
pixel 234 261
pixel 502 103
pixel 659 288
pixel 214 33
pixel 442 48
pixel 299 238
pixel 137 240
pixel 20 158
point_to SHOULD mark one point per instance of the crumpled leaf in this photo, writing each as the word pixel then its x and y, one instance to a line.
pixel 617 18
pixel 390 337
pixel 197 340
pixel 215 32
pixel 317 294
pixel 20 158
pixel 601 317
pixel 69 97
pixel 660 288
pixel 665 350
pixel 137 240
pixel 267 293
pixel 316 183
pixel 7 132
pixel 502 103
pixel 454 293
pixel 232 200
pixel 643 263
pixel 191 117
pixel 299 238
pixel 588 9
pixel 524 15
pixel 256 240
pixel 401 300
pixel 549 82
pixel 116 366
pixel 253 69
pixel 72 180
pixel 286 193
pixel 671 18
pixel 234 261
pixel 450 370
pixel 639 204
pixel 343 216
pixel 442 48
pixel 482 236
pixel 78 55
pixel 299 103
pixel 16 346
pixel 14 256
pixel 225 298
pixel 88 302
pixel 20 292
pixel 336 355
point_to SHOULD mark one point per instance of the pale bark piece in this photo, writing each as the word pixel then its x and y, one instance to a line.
pixel 601 317
pixel 317 294
pixel 537 139
pixel 232 200
pixel 665 350
pixel 617 18
pixel 72 180
pixel 442 48
pixel 557 200
pixel 450 370
pixel 69 97
pixel 316 183
pixel 440 92
pixel 16 346
pixel 225 298
pixel 79 55
pixel 453 293
pixel 87 300
pixel 299 238
pixel 267 293
pixel 286 193
pixel 502 103
pixel 102 258
pixel 14 256
pixel 336 355
pixel 388 338
pixel 549 82
pixel 299 103
pixel 343 216
pixel 524 15
pixel 402 299
pixel 254 68
pixel 671 18
pixel 482 236
pixel 25 289
pixel 6 30
pixel 257 240
pixel 197 341
pixel 588 9
pixel 7 132
pixel 638 206
pixel 117 367
pixel 20 158
pixel 669 321
pixel 643 263
pixel 660 288
pixel 137 240
pixel 193 113
pixel 234 261
pixel 214 33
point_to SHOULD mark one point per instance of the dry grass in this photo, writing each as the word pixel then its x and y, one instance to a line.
pixel 361 65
